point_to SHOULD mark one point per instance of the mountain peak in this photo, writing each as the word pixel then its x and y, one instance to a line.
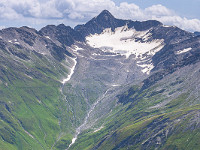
pixel 105 14
pixel 96 25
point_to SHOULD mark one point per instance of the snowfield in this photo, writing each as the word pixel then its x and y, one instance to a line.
pixel 184 50
pixel 125 41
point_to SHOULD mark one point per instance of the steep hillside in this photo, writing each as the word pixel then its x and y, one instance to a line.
pixel 32 67
pixel 107 84
pixel 153 113
pixel 163 116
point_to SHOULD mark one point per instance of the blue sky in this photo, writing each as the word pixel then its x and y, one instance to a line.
pixel 38 13
pixel 185 8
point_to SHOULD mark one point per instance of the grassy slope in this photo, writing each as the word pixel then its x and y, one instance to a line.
pixel 138 125
pixel 31 103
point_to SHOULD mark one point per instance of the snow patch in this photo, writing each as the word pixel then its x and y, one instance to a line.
pixel 38 101
pixel 115 85
pixel 17 43
pixel 77 48
pixel 28 76
pixel 184 50
pixel 48 37
pixel 125 41
pixel 98 129
pixel 95 54
pixel 166 26
pixel 146 67
pixel 28 134
pixel 71 72
pixel 73 141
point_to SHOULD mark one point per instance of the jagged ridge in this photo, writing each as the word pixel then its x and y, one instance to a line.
pixel 121 100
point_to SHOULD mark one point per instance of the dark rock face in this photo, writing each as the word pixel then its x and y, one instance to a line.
pixel 169 56
pixel 171 35
pixel 197 33
pixel 58 52
pixel 64 34
pixel 168 60
pixel 28 35
pixel 145 25
pixel 104 20
pixel 20 41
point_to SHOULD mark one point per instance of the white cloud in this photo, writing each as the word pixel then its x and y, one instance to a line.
pixel 8 13
pixel 169 17
pixel 22 7
pixel 2 27
pixel 83 10
pixel 128 11
pixel 49 10
pixel 158 10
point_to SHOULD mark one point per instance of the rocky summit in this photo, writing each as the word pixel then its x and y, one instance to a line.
pixel 109 84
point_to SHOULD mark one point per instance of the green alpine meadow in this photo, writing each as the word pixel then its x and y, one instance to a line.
pixel 108 84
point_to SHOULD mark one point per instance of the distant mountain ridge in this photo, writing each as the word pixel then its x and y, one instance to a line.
pixel 107 84
pixel 96 25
